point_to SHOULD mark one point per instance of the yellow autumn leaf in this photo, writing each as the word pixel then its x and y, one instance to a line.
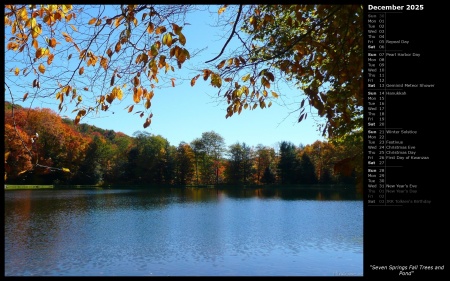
pixel 222 9
pixel 119 93
pixel 137 95
pixel 118 47
pixel 81 71
pixel 35 31
pixel 92 21
pixel 117 21
pixel 275 95
pixel 22 15
pixel 65 170
pixel 43 52
pixel 41 68
pixel 104 63
pixel 16 71
pixel 66 8
pixel 167 39
pixel 246 77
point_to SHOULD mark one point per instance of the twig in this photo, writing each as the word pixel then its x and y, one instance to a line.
pixel 231 35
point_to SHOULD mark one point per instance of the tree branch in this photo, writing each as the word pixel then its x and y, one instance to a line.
pixel 231 35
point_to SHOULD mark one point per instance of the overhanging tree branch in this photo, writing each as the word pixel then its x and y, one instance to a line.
pixel 231 35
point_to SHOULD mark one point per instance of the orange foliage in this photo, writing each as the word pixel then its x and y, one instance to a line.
pixel 55 143
pixel 17 158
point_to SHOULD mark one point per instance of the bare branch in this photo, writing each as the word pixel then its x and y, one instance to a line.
pixel 231 35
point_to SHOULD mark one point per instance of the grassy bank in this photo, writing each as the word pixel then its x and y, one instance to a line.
pixel 31 186
pixel 14 186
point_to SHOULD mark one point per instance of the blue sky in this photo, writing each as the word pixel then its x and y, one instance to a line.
pixel 183 113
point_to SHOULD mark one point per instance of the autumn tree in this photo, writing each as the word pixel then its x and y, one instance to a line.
pixel 18 160
pixel 264 163
pixel 234 167
pixel 52 145
pixel 125 50
pixel 317 47
pixel 91 170
pixel 106 52
pixel 240 164
pixel 209 151
pixel 185 164
pixel 121 145
pixel 197 148
pixel 323 155
pixel 150 161
pixel 91 58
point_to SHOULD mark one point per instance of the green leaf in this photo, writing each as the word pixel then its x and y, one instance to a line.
pixel 154 50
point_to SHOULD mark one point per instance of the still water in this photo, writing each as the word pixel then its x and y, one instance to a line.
pixel 183 232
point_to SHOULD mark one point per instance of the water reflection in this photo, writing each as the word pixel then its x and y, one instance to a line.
pixel 182 231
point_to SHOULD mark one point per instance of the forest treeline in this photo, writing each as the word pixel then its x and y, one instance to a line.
pixel 43 148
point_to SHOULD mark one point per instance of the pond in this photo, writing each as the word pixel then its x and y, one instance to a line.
pixel 183 232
